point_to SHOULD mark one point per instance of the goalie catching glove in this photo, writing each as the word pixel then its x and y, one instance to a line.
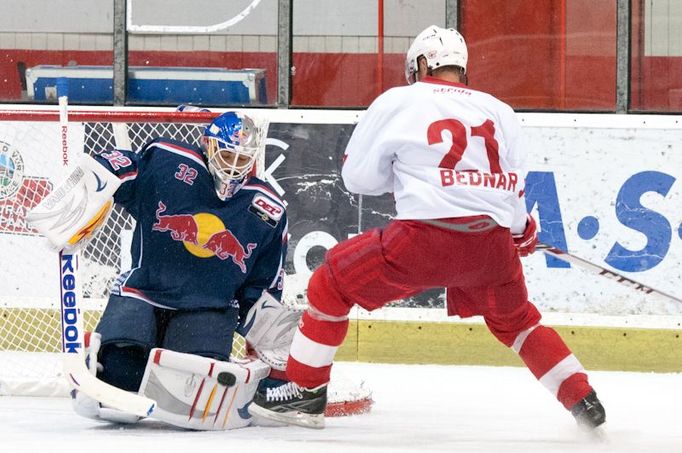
pixel 269 328
pixel 71 214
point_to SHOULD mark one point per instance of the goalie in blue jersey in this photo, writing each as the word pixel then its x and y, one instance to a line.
pixel 208 252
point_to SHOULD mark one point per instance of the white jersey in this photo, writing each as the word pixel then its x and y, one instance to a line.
pixel 444 150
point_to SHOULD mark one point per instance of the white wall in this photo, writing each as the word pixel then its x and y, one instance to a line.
pixel 311 17
pixel 58 16
pixel 663 28
pixel 348 26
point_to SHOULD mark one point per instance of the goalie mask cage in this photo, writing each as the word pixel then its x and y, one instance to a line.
pixel 30 340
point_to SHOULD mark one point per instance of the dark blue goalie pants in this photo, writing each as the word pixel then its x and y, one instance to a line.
pixel 130 328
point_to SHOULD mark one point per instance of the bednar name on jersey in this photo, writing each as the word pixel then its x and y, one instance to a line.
pixel 504 181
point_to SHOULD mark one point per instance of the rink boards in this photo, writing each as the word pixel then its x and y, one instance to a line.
pixel 605 187
pixel 622 343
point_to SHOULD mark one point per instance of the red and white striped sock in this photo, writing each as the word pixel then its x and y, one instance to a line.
pixel 553 364
pixel 315 343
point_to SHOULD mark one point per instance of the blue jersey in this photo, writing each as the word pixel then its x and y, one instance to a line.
pixel 190 249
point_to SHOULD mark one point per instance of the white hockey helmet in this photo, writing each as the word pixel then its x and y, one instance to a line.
pixel 440 46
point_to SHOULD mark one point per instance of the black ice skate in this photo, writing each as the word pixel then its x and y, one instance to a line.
pixel 291 404
pixel 589 412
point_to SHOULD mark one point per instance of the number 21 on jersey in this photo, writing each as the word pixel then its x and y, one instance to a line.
pixel 474 177
pixel 460 143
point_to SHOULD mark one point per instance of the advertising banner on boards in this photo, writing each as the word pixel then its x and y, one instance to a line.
pixel 607 193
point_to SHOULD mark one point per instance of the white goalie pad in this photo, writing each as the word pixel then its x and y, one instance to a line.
pixel 201 393
pixel 75 209
pixel 269 330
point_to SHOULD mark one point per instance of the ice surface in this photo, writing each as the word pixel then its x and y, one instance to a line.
pixel 418 408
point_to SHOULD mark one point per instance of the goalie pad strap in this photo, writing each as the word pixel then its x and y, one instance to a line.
pixel 76 208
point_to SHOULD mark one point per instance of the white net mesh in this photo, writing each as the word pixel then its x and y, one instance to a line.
pixel 30 326
pixel 30 329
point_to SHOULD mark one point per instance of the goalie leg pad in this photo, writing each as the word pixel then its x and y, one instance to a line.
pixel 88 407
pixel 190 390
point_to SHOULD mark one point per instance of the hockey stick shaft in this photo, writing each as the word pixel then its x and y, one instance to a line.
pixel 604 272
pixel 72 326
pixel 73 360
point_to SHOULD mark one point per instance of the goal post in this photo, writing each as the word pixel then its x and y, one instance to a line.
pixel 30 338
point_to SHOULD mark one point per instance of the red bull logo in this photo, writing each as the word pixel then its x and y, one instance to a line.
pixel 203 235
pixel 182 227
pixel 225 245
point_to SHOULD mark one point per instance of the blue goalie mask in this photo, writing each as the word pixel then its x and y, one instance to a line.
pixel 233 142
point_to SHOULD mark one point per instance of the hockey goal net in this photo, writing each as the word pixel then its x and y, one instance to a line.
pixel 31 162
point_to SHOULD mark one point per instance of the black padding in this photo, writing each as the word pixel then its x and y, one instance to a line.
pixel 123 365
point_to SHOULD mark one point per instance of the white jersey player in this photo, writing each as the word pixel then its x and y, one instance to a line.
pixel 453 158
pixel 444 150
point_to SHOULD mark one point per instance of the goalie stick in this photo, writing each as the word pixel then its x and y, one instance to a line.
pixel 604 272
pixel 73 357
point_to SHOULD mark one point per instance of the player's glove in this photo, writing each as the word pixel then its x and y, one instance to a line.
pixel 525 243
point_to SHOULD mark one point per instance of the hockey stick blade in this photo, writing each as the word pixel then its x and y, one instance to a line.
pixel 82 380
pixel 604 272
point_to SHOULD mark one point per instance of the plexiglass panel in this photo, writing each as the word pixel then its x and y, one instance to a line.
pixel 656 56
pixel 203 52
pixel 347 53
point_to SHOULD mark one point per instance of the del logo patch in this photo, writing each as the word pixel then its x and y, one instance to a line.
pixel 266 210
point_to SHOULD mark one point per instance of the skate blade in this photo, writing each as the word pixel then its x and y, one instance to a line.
pixel 595 435
pixel 312 421
pixel 598 435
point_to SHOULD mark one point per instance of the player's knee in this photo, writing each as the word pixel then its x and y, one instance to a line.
pixel 123 365
pixel 324 295
pixel 506 327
